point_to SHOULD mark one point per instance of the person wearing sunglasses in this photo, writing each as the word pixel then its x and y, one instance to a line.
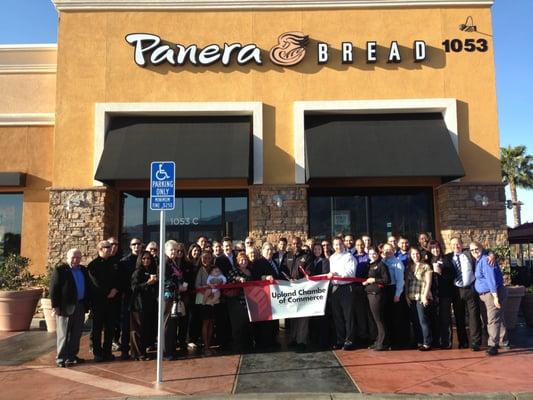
pixel 126 267
pixel 104 300
pixel 114 258
pixel 153 249
pixel 116 254
pixel 143 316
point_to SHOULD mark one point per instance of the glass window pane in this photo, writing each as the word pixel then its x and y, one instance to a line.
pixel 331 215
pixel 349 215
pixel 132 221
pixel 192 216
pixel 236 216
pixel 205 210
pixel 10 223
pixel 401 214
pixel 320 216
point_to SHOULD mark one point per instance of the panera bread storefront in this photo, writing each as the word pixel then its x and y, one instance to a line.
pixel 283 117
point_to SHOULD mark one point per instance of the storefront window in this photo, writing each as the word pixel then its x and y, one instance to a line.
pixel 380 213
pixel 209 215
pixel 10 223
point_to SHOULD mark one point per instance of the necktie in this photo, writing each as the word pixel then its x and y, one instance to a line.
pixel 274 267
pixel 458 272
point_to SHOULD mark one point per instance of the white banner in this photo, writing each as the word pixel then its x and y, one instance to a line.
pixel 302 298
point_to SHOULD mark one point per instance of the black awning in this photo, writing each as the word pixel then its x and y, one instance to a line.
pixel 390 145
pixel 521 234
pixel 17 179
pixel 203 147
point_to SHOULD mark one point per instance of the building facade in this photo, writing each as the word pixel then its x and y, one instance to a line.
pixel 283 118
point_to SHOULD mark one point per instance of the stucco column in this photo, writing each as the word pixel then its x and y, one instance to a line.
pixel 79 218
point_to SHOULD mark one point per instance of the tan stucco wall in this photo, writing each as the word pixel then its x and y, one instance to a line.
pixel 27 93
pixel 95 64
pixel 29 150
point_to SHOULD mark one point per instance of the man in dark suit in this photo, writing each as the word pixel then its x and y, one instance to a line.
pixel 126 266
pixel 464 296
pixel 103 277
pixel 226 261
pixel 69 293
pixel 280 257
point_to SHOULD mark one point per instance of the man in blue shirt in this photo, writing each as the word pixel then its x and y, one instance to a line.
pixel 396 315
pixel 68 292
pixel 489 285
pixel 403 252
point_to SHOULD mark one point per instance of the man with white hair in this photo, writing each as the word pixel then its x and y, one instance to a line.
pixel 69 293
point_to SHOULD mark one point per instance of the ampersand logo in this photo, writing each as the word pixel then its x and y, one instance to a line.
pixel 290 49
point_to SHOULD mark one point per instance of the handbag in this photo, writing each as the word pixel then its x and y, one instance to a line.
pixel 181 308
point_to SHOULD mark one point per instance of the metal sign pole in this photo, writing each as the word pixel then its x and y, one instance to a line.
pixel 160 330
pixel 162 197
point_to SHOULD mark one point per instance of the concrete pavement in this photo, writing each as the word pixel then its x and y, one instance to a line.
pixel 27 370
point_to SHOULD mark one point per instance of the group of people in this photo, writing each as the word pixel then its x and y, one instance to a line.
pixel 399 296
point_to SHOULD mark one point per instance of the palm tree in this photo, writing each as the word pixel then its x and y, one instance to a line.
pixel 517 171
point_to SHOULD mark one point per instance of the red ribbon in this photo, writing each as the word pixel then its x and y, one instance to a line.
pixel 275 282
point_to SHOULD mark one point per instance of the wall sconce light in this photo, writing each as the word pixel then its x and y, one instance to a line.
pixel 468 26
pixel 484 200
pixel 75 201
pixel 510 204
pixel 278 200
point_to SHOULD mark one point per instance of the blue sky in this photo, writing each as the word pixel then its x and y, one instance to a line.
pixel 35 21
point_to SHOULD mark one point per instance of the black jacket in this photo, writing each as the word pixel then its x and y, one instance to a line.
pixel 443 284
pixel 380 272
pixel 103 276
pixel 295 261
pixel 63 291
pixel 224 263
pixel 126 267
pixel 144 297
pixel 280 263
pixel 319 266
pixel 448 258
pixel 262 267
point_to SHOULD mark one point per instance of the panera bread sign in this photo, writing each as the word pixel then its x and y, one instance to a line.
pixel 290 49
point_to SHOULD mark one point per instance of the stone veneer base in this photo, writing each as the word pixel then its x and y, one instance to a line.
pixel 79 218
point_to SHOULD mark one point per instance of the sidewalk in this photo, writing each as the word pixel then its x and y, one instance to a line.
pixel 27 370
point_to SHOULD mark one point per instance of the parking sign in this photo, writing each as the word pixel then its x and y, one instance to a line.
pixel 162 185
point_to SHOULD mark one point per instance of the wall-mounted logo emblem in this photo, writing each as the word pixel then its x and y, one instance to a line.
pixel 290 49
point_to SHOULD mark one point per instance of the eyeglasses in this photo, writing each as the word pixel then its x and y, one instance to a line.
pixel 105 247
